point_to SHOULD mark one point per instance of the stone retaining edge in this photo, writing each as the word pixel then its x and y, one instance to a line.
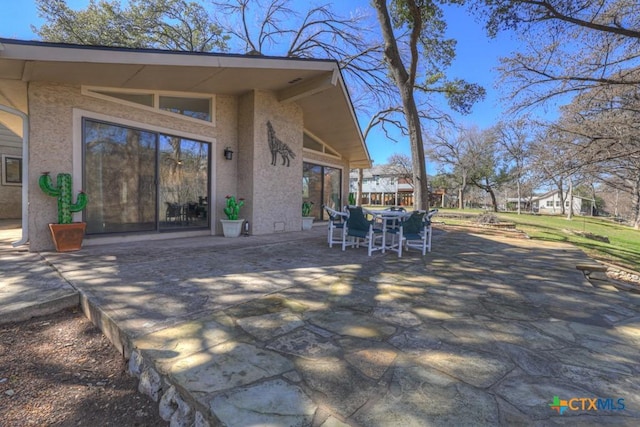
pixel 173 407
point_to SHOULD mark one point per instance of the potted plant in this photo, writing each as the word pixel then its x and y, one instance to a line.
pixel 67 235
pixel 307 219
pixel 232 226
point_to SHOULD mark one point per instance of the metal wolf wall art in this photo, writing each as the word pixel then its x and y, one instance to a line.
pixel 278 147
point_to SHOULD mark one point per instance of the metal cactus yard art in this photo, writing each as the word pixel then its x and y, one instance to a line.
pixel 63 193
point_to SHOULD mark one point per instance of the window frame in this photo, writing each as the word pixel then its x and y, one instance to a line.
pixel 5 177
pixel 94 92
pixel 327 150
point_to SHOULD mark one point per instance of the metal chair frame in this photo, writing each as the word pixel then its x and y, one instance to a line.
pixel 337 220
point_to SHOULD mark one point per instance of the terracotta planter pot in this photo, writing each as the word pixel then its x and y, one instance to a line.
pixel 68 237
pixel 231 227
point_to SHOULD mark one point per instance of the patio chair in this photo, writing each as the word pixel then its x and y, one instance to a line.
pixel 173 213
pixel 413 232
pixel 336 222
pixel 358 229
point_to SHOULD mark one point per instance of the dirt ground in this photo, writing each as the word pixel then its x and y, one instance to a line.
pixel 59 370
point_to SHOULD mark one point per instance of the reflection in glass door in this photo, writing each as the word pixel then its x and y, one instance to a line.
pixel 119 176
pixel 139 180
pixel 332 187
pixel 321 185
pixel 184 182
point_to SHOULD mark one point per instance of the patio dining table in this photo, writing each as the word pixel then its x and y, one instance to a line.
pixel 387 219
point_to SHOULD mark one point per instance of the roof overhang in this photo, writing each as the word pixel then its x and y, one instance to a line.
pixel 316 86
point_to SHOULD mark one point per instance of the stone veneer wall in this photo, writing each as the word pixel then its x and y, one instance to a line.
pixel 51 144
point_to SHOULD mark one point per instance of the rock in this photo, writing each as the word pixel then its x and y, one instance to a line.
pixel 150 383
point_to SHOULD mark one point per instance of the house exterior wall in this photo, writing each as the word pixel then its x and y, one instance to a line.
pixel 276 189
pixel 53 136
pixel 552 204
pixel 10 194
pixel 378 189
pixel 13 95
pixel 272 193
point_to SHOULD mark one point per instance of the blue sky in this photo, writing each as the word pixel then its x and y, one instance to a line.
pixel 477 58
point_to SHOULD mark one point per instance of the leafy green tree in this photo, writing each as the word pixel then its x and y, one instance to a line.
pixel 162 24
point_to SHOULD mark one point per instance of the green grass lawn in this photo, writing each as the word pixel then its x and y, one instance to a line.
pixel 624 242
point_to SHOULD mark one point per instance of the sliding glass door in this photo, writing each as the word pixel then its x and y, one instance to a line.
pixel 184 182
pixel 143 181
pixel 321 185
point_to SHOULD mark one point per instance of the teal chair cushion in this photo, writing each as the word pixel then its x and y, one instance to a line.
pixel 412 226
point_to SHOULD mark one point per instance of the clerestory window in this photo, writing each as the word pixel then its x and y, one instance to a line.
pixel 313 144
pixel 193 106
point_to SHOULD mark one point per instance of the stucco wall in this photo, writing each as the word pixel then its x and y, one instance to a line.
pixel 277 189
pixel 273 193
pixel 51 144
pixel 244 159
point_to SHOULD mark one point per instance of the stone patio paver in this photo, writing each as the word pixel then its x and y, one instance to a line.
pixel 282 330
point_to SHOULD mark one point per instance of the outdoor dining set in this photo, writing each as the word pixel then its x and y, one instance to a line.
pixel 391 229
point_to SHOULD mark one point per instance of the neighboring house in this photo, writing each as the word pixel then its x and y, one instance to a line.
pixel 154 136
pixel 11 170
pixel 382 185
pixel 551 203
pixel 512 204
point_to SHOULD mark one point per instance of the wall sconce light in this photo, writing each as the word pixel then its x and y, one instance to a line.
pixel 228 154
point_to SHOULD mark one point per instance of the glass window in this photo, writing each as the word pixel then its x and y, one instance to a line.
pixel 312 144
pixel 143 181
pixel 11 170
pixel 197 108
pixel 137 98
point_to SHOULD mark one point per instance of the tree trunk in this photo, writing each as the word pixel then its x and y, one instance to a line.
pixel 461 190
pixel 570 198
pixel 635 202
pixel 493 199
pixel 519 197
pixel 404 80
pixel 420 187
pixel 359 192
pixel 560 195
